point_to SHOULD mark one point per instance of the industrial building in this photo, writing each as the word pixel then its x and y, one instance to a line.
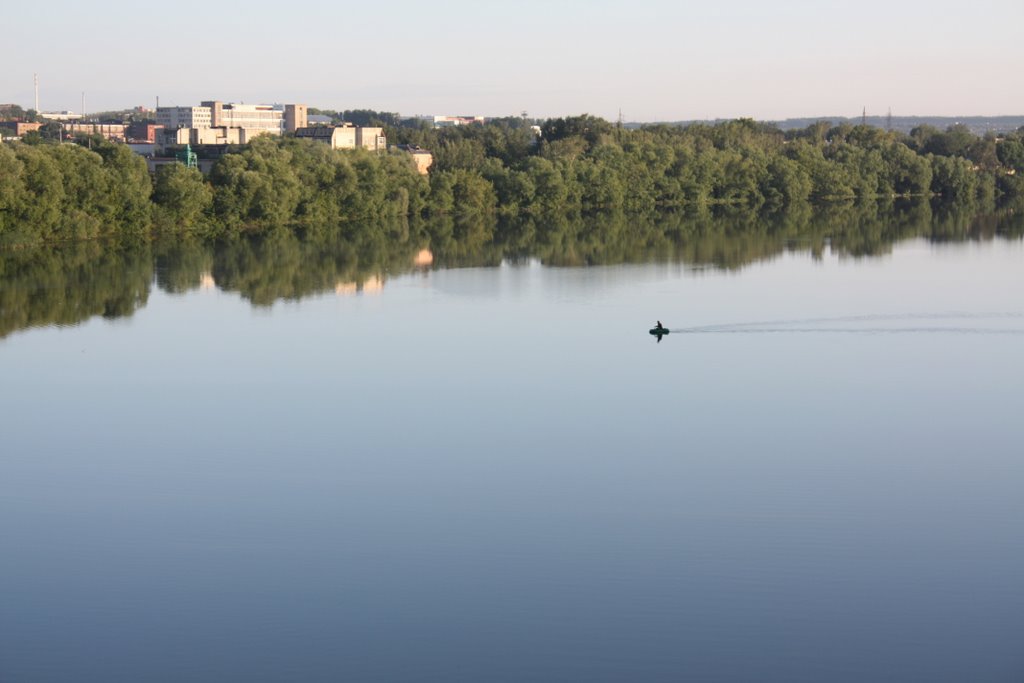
pixel 346 136
pixel 237 123
pixel 19 128
pixel 114 132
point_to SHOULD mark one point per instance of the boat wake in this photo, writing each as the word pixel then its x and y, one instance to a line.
pixel 912 323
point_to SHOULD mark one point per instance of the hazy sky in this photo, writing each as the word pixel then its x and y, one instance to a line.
pixel 653 59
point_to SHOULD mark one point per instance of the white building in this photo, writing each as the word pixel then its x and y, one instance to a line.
pixel 60 115
pixel 251 117
pixel 183 117
pixel 447 121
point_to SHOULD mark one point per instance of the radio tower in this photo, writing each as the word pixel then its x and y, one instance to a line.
pixel 864 117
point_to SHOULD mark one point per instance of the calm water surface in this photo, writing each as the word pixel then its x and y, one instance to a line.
pixel 496 474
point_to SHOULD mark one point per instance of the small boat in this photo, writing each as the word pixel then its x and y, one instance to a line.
pixel 655 330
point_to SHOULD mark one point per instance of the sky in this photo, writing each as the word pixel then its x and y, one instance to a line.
pixel 653 60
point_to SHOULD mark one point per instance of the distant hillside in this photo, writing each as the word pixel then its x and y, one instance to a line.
pixel 979 125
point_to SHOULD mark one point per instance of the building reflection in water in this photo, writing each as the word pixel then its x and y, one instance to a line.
pixel 371 285
pixel 374 284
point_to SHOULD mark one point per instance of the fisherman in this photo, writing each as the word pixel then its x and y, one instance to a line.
pixel 660 327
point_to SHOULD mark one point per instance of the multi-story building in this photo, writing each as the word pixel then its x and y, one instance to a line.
pixel 295 116
pixel 250 119
pixel 183 117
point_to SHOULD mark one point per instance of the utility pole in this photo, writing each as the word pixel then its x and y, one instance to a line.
pixel 864 117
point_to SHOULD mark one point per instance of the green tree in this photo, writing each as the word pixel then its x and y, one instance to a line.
pixel 459 154
pixel 1011 153
pixel 909 173
pixel 953 178
pixel 182 199
pixel 471 192
pixel 590 128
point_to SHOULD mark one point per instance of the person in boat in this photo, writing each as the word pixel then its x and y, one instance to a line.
pixel 659 326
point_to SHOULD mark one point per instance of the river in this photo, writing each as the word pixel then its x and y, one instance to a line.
pixel 256 467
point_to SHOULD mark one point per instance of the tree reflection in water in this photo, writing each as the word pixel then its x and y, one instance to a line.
pixel 65 285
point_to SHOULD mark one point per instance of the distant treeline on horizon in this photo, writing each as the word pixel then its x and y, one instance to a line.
pixel 62 192
pixel 978 125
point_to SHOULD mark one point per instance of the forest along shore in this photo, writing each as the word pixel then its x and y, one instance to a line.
pixel 65 192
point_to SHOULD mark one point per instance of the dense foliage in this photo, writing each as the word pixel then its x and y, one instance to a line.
pixel 586 163
pixel 52 192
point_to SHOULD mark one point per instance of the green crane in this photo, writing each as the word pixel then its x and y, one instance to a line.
pixel 188 157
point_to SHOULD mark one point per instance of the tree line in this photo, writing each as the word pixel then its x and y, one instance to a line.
pixel 587 163
pixel 575 165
